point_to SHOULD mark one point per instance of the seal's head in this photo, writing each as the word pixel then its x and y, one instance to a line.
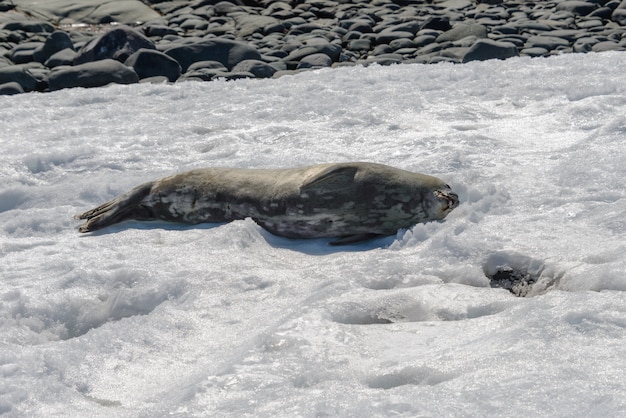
pixel 445 200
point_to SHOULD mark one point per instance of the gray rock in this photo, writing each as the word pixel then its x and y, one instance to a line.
pixel 486 49
pixel 332 50
pixel 91 74
pixel 463 30
pixel 213 65
pixel 150 63
pixel 28 26
pixel 315 61
pixel 10 88
pixel 258 68
pixel 89 11
pixel 118 44
pixel 581 8
pixel 64 57
pixel 359 45
pixel 607 46
pixel 228 52
pixel 547 42
pixel 20 75
pixel 57 41
pixel 24 52
pixel 619 16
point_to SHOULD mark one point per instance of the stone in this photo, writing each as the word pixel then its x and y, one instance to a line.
pixel 318 60
pixel 486 49
pixel 28 26
pixel 57 41
pixel 226 51
pixel 547 42
pixel 20 75
pixel 619 16
pixel 118 44
pixel 258 68
pixel 150 63
pixel 10 88
pixel 463 30
pixel 91 12
pixel 24 52
pixel 581 8
pixel 91 74
pixel 64 57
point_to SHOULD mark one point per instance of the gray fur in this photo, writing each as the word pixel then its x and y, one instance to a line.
pixel 351 201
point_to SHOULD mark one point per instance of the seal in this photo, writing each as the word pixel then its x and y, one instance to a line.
pixel 349 201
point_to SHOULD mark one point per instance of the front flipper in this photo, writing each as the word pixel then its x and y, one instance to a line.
pixel 353 239
pixel 124 207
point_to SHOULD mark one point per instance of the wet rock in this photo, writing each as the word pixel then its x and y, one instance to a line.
pixel 463 30
pixel 64 57
pixel 318 60
pixel 257 68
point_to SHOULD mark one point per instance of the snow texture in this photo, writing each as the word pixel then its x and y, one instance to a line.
pixel 157 319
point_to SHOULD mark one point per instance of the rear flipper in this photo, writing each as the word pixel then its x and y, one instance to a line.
pixel 124 207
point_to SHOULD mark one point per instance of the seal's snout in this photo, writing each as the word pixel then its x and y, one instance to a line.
pixel 449 199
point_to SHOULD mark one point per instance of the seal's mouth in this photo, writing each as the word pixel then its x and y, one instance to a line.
pixel 450 199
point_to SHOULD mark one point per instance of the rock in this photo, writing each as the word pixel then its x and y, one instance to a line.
pixel 90 12
pixel 258 68
pixel 486 49
pixel 619 16
pixel 25 52
pixel 57 41
pixel 150 63
pixel 64 57
pixel 117 44
pixel 20 75
pixel 10 88
pixel 226 51
pixel 91 74
pixel 607 46
pixel 581 8
pixel 547 42
pixel 463 30
pixel 28 26
pixel 318 60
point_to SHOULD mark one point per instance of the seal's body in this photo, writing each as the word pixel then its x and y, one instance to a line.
pixel 351 201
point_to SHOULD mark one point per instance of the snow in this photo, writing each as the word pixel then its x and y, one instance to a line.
pixel 156 319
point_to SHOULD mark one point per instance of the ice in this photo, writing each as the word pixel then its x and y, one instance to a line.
pixel 157 319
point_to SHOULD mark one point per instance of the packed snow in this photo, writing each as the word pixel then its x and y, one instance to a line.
pixel 156 319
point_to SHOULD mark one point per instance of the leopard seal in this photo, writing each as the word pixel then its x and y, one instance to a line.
pixel 348 201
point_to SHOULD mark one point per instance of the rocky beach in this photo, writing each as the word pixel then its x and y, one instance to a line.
pixel 46 46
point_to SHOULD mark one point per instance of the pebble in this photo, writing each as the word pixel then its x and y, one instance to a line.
pixel 176 40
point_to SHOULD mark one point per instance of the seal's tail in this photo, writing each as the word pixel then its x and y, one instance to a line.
pixel 126 206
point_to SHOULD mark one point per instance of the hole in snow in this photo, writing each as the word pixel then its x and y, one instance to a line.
pixel 519 274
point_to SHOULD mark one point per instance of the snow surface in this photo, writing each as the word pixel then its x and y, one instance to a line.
pixel 154 319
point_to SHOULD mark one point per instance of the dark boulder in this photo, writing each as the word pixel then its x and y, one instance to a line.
pixel 118 44
pixel 57 41
pixel 486 49
pixel 150 63
pixel 91 74
pixel 228 52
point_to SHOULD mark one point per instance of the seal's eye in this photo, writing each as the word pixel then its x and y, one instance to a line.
pixel 447 186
